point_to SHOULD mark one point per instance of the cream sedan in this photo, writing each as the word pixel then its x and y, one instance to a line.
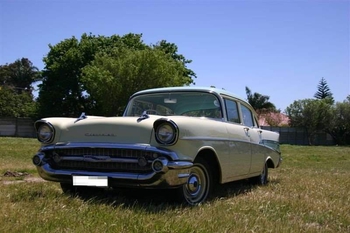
pixel 184 138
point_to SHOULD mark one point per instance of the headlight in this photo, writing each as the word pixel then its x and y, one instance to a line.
pixel 166 132
pixel 45 133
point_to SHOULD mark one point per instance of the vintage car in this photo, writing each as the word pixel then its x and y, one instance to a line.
pixel 184 138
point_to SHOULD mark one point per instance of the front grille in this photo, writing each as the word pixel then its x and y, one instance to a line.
pixel 113 152
pixel 73 158
pixel 102 166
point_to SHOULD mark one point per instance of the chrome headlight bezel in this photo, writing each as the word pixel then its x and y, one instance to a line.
pixel 45 131
pixel 166 132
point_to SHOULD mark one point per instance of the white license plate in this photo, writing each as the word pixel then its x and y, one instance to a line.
pixel 98 181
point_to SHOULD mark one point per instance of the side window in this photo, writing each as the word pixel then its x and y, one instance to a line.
pixel 232 111
pixel 247 116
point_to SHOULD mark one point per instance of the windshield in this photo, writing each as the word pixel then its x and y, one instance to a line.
pixel 194 104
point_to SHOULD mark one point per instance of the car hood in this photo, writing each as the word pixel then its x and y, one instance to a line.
pixel 128 130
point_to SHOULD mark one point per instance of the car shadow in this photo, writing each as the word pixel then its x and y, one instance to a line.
pixel 150 200
pixel 155 201
pixel 234 188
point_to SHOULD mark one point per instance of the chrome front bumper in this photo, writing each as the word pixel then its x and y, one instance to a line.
pixel 171 174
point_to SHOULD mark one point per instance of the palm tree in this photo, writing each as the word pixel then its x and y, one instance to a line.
pixel 259 102
pixel 22 73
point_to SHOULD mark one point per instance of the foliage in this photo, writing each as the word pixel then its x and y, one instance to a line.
pixel 259 102
pixel 171 49
pixel 65 93
pixel 19 75
pixel 60 92
pixel 324 92
pixel 310 114
pixel 321 114
pixel 14 104
pixel 274 118
pixel 339 125
pixel 111 78
pixel 318 115
pixel 16 99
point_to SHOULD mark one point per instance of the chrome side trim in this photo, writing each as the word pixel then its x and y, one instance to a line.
pixel 269 144
pixel 214 139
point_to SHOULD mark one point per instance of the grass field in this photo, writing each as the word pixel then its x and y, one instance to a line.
pixel 310 192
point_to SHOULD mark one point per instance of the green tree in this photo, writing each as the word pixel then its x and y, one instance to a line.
pixel 311 115
pixel 19 75
pixel 339 125
pixel 172 50
pixel 324 92
pixel 60 92
pixel 63 91
pixel 111 79
pixel 16 99
pixel 260 102
pixel 13 104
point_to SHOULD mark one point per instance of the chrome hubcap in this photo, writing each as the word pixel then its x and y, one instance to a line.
pixel 193 184
pixel 196 189
pixel 263 176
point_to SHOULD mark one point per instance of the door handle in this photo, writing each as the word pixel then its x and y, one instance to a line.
pixel 246 129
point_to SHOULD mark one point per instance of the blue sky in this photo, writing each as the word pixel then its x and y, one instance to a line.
pixel 278 48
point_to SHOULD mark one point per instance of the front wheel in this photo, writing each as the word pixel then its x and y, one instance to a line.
pixel 199 184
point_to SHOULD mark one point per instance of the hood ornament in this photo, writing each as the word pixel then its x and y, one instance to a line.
pixel 82 117
pixel 143 116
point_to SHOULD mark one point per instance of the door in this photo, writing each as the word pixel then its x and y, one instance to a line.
pixel 255 136
pixel 239 142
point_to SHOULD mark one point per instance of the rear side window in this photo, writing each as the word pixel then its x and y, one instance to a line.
pixel 232 111
pixel 247 116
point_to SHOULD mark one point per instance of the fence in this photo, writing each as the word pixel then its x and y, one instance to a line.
pixel 23 127
pixel 17 127
pixel 297 136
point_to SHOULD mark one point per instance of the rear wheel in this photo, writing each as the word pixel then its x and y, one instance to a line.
pixel 199 184
pixel 262 179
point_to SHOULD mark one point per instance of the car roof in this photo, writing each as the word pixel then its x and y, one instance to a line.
pixel 201 89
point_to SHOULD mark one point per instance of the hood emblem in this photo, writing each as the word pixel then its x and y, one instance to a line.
pixel 100 134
